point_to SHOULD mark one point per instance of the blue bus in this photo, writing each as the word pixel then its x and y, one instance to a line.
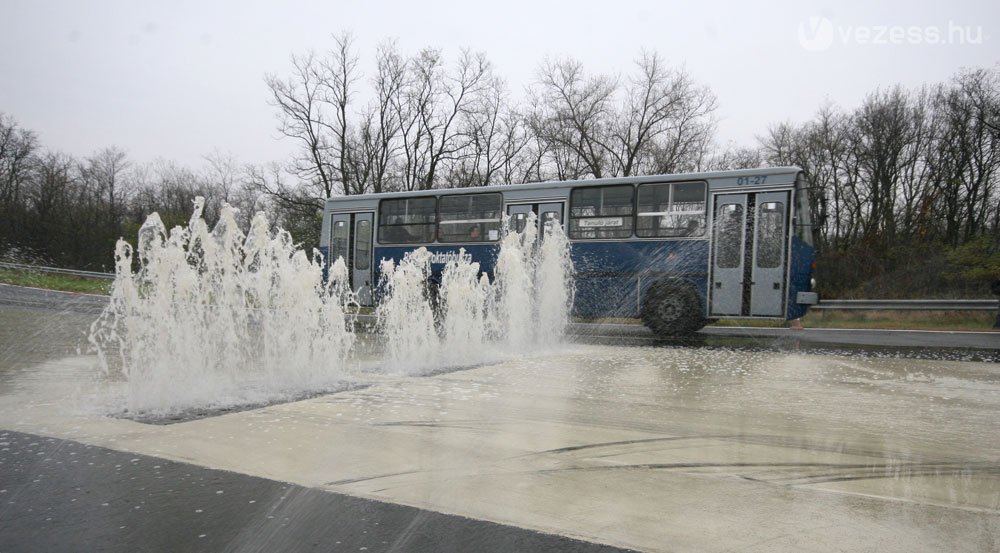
pixel 673 250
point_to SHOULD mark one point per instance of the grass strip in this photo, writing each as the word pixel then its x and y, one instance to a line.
pixel 65 283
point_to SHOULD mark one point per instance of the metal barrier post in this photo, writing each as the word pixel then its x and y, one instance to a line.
pixel 995 287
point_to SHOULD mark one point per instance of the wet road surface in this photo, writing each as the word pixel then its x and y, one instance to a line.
pixel 666 448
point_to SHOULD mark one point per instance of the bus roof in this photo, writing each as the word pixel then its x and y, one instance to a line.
pixel 552 184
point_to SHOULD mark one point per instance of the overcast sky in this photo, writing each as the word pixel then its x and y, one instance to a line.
pixel 177 79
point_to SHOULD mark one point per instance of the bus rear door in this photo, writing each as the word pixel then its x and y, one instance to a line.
pixel 351 239
pixel 749 245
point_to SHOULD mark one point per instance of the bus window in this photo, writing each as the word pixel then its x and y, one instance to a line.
pixel 601 212
pixel 671 210
pixel 729 236
pixel 469 217
pixel 803 217
pixel 407 221
pixel 363 245
pixel 770 235
pixel 520 222
pixel 550 218
pixel 340 241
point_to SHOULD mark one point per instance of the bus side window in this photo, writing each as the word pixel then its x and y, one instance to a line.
pixel 549 218
pixel 363 245
pixel 770 235
pixel 407 220
pixel 520 221
pixel 470 217
pixel 340 241
pixel 671 210
pixel 729 236
pixel 601 212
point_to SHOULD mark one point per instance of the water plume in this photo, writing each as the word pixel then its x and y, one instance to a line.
pixel 204 319
pixel 215 318
pixel 404 314
pixel 524 308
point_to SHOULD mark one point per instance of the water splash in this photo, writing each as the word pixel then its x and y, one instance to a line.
pixel 525 308
pixel 513 309
pixel 464 296
pixel 554 289
pixel 405 315
pixel 216 318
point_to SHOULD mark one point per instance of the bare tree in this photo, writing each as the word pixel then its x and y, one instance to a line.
pixel 738 157
pixel 884 132
pixel 982 87
pixel 303 119
pixel 967 155
pixel 495 136
pixel 431 107
pixel 17 149
pixel 575 109
pixel 659 121
pixel 313 110
pixel 379 138
pixel 341 76
pixel 823 158
pixel 105 170
pixel 228 178
pixel 666 114
pixel 915 184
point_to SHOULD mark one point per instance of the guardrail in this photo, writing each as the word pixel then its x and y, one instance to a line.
pixel 905 305
pixel 57 270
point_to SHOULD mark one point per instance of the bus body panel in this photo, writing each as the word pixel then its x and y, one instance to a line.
pixel 612 277
pixel 599 292
pixel 801 260
pixel 484 254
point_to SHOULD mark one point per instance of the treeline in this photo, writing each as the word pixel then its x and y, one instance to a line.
pixel 430 123
pixel 904 187
pixel 67 211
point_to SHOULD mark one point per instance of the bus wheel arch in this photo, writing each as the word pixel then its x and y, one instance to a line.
pixel 672 307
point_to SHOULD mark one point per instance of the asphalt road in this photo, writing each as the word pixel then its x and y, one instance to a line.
pixel 63 496
pixel 37 298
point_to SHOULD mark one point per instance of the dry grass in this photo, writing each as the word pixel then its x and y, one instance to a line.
pixel 901 319
pixel 888 320
pixel 64 283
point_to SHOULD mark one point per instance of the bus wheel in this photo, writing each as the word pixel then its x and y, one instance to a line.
pixel 672 308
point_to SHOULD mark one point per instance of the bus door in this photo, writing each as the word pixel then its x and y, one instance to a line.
pixel 547 213
pixel 749 238
pixel 727 260
pixel 351 239
pixel 770 239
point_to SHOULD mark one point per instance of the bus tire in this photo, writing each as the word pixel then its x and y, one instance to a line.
pixel 672 308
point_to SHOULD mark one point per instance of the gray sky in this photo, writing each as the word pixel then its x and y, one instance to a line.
pixel 180 79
